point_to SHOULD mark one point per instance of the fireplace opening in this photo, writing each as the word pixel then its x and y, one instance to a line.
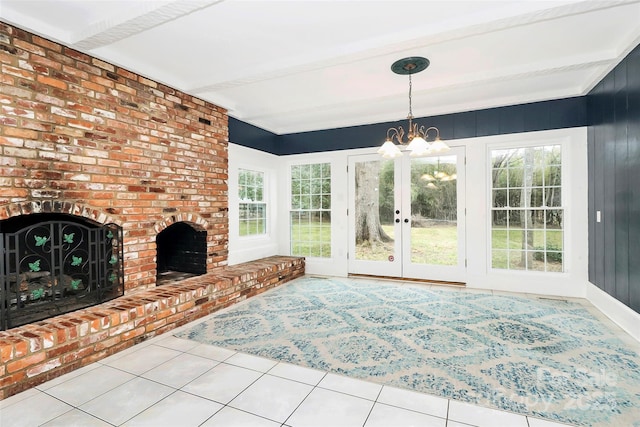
pixel 181 253
pixel 56 263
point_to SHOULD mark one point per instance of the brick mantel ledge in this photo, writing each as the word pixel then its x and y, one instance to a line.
pixel 35 353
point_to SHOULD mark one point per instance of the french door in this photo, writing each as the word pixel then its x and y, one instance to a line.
pixel 407 216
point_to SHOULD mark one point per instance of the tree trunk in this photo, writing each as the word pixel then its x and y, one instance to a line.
pixel 368 227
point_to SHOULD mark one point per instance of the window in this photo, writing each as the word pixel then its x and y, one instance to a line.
pixel 253 209
pixel 311 210
pixel 526 209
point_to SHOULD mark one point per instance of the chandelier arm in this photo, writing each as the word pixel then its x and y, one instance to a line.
pixel 396 133
pixel 424 132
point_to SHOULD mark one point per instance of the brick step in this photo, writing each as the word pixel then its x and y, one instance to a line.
pixel 36 353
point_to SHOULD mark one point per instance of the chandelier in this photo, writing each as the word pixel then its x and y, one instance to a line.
pixel 417 136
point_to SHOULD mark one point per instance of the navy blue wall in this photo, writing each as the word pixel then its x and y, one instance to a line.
pixel 614 182
pixel 242 133
pixel 557 114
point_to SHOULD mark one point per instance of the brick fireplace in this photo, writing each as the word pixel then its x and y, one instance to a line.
pixel 82 137
pixel 87 142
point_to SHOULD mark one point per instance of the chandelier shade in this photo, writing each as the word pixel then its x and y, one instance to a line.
pixel 417 136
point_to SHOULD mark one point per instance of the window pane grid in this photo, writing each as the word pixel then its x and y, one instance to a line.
pixel 253 209
pixel 527 213
pixel 310 217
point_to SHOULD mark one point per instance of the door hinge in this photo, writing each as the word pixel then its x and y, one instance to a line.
pixel 347 212
pixel 465 262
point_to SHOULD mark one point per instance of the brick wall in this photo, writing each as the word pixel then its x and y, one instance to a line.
pixel 81 136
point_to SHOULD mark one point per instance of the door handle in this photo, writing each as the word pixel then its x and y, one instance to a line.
pixel 397 219
pixel 406 220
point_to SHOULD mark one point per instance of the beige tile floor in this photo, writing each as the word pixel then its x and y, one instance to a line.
pixel 174 382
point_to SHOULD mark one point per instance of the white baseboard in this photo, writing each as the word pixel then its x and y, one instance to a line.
pixel 619 313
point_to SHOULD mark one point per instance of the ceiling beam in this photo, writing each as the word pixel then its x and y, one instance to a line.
pixel 134 20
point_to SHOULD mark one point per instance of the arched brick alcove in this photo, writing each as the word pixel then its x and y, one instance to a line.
pixel 181 252
pixel 55 207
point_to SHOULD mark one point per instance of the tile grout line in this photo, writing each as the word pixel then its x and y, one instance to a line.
pixel 372 406
pixel 175 390
pixel 318 386
pixel 301 402
pixel 73 407
pixel 135 376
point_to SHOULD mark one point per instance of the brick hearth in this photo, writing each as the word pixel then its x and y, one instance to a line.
pixel 33 354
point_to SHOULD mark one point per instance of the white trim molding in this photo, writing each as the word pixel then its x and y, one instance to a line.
pixel 620 314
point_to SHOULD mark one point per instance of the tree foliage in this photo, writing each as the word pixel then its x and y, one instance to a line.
pixel 433 195
pixel 527 178
pixel 433 190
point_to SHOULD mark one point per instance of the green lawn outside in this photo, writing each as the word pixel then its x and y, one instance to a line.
pixel 251 227
pixel 311 239
pixel 508 253
pixel 437 245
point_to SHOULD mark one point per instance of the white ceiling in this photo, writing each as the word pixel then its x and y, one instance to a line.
pixel 294 66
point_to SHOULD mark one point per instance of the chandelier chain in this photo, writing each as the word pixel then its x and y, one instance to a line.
pixel 410 85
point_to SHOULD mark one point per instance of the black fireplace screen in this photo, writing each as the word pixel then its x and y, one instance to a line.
pixel 58 266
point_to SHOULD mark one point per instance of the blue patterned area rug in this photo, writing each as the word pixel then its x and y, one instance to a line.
pixel 554 359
